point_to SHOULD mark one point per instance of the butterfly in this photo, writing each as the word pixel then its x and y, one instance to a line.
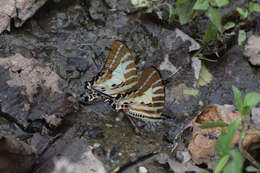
pixel 147 102
pixel 118 76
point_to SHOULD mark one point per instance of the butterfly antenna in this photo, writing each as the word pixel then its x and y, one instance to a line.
pixel 94 62
pixel 165 81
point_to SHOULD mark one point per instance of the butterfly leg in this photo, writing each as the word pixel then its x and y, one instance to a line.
pixel 125 109
pixel 137 131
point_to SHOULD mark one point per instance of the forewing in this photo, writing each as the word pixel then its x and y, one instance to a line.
pixel 119 74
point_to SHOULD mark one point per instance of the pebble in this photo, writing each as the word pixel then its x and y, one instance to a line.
pixel 255 114
pixel 96 145
pixel 142 169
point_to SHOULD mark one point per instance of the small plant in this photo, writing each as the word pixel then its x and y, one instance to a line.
pixel 188 10
pixel 155 5
pixel 231 159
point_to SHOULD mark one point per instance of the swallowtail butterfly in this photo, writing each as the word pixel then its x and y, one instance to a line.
pixel 147 102
pixel 118 75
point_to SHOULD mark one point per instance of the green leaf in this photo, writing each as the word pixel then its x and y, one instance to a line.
pixel 159 14
pixel 223 145
pixel 201 5
pixel 236 164
pixel 243 13
pixel 213 3
pixel 134 2
pixel 241 37
pixel 183 9
pixel 205 77
pixel 246 110
pixel 253 133
pixel 229 25
pixel 221 3
pixel 215 17
pixel 180 2
pixel 211 33
pixel 251 100
pixel 251 168
pixel 203 172
pixel 254 7
pixel 201 103
pixel 238 99
pixel 213 124
pixel 221 163
pixel 193 92
pixel 140 3
pixel 171 13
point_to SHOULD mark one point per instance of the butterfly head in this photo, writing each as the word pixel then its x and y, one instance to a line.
pixel 90 96
pixel 111 102
pixel 88 85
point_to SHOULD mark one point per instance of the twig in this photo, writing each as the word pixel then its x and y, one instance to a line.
pixel 131 163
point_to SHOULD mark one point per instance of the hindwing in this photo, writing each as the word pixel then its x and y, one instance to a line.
pixel 147 102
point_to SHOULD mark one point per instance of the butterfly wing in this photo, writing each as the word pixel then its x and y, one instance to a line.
pixel 148 101
pixel 119 74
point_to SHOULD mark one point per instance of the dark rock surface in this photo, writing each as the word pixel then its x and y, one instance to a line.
pixel 29 91
pixel 68 152
pixel 17 10
pixel 15 156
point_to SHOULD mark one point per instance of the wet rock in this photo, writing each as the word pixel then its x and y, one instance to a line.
pixel 175 165
pixel 88 164
pixel 196 65
pixel 177 93
pixel 68 152
pixel 19 10
pixel 80 64
pixel 172 39
pixel 40 142
pixel 13 151
pixel 182 167
pixel 256 117
pixel 95 133
pixel 7 11
pixel 122 5
pixel 110 152
pixel 30 91
pixel 4 22
pixel 98 10
pixel 194 45
pixel 252 49
pixel 173 44
pixel 219 90
pixel 183 156
pixel 167 65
